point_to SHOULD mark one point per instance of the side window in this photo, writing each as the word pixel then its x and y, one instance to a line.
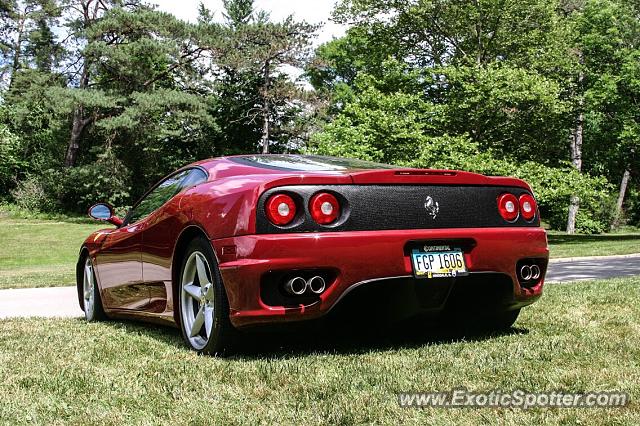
pixel 194 177
pixel 156 198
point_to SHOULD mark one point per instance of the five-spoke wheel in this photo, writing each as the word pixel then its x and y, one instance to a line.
pixel 197 300
pixel 92 303
pixel 204 312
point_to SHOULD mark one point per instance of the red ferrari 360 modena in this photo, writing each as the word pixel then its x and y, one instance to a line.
pixel 229 243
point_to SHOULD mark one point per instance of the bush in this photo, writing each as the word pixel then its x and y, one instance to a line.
pixel 31 195
pixel 75 189
pixel 105 180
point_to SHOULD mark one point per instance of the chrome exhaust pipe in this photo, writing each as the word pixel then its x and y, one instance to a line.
pixel 296 286
pixel 525 272
pixel 535 272
pixel 316 284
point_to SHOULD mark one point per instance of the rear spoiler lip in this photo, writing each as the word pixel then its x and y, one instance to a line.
pixel 434 177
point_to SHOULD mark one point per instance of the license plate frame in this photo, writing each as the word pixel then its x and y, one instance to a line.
pixel 438 256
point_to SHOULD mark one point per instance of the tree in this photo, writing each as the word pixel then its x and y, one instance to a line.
pixel 127 98
pixel 607 90
pixel 265 49
pixel 83 15
pixel 502 74
pixel 238 12
pixel 483 60
pixel 145 97
pixel 26 37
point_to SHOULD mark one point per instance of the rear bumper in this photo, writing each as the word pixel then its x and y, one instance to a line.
pixel 360 258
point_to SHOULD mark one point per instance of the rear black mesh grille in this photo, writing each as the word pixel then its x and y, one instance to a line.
pixel 388 207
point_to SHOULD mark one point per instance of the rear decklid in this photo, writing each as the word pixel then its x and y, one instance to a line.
pixel 431 177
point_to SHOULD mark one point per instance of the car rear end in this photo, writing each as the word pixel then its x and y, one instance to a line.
pixel 441 239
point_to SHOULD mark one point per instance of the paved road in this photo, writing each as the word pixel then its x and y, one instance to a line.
pixel 40 302
pixel 580 269
pixel 63 301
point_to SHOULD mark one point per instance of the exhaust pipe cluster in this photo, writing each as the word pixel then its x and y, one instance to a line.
pixel 530 272
pixel 297 286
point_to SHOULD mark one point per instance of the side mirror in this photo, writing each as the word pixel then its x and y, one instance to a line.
pixel 104 212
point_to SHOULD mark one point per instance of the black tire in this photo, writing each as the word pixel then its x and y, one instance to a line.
pixel 89 293
pixel 222 334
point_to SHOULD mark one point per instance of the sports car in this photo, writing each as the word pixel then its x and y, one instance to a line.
pixel 231 243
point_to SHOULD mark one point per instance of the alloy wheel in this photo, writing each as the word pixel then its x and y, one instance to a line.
pixel 88 288
pixel 197 293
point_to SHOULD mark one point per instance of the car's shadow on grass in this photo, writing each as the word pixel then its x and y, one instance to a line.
pixel 323 337
pixel 357 339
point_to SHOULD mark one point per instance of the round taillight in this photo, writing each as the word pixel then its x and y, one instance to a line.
pixel 527 206
pixel 280 209
pixel 324 208
pixel 508 207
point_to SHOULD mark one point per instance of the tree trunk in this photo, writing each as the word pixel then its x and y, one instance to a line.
pixel 576 161
pixel 17 51
pixel 266 109
pixel 79 123
pixel 74 141
pixel 623 190
pixel 576 157
pixel 480 47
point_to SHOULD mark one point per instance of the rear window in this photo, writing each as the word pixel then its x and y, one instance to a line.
pixel 308 163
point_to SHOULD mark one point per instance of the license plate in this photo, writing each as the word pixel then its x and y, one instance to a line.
pixel 438 262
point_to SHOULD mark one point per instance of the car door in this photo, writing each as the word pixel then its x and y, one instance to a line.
pixel 119 262
pixel 161 230
pixel 119 269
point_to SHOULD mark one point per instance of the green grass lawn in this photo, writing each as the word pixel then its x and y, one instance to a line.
pixel 579 337
pixel 40 253
pixel 563 245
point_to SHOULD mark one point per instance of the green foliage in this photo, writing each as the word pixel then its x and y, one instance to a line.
pixel 495 87
pixel 633 207
pixel 34 110
pixel 11 162
pixel 31 194
pixel 234 108
pixel 402 129
pixel 11 211
pixel 609 33
pixel 106 179
pixel 378 126
pixel 258 52
pixel 512 110
pixel 238 12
